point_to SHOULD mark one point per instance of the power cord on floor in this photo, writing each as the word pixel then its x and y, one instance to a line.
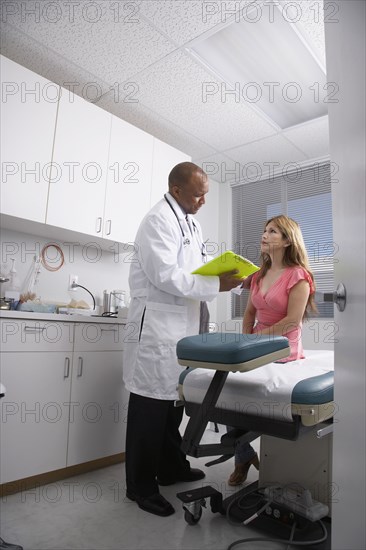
pixel 290 542
pixel 260 498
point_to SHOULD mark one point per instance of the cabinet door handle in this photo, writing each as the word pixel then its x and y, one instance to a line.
pixel 109 227
pixel 80 367
pixel 34 328
pixel 67 367
pixel 98 227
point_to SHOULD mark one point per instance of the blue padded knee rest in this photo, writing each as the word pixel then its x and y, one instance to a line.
pixel 229 348
pixel 315 390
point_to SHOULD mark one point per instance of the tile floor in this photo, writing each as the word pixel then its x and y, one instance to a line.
pixel 91 512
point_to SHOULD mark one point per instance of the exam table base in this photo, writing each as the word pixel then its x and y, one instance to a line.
pixel 294 455
pixel 278 525
pixel 306 462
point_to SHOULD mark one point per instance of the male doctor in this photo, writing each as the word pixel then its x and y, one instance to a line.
pixel 165 307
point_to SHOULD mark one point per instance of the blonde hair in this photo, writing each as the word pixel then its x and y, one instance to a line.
pixel 294 255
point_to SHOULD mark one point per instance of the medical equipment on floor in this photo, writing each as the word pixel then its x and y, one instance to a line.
pixel 232 380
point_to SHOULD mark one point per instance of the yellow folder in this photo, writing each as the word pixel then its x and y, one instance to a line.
pixel 227 262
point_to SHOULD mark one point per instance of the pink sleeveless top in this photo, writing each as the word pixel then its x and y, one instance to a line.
pixel 272 306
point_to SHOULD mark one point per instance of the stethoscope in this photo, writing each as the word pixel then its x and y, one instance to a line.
pixel 186 240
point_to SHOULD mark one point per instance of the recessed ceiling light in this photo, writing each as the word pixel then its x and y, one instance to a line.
pixel 267 64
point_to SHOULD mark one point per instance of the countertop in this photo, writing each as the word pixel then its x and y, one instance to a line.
pixel 8 314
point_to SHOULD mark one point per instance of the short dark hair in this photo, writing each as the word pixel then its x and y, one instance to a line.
pixel 182 173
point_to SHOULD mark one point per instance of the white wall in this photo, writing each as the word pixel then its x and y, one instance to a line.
pixel 97 269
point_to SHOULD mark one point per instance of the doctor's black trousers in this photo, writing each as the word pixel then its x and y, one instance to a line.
pixel 153 444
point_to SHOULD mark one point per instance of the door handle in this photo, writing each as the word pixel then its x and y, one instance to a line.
pixel 109 227
pixel 67 367
pixel 98 227
pixel 80 367
pixel 338 297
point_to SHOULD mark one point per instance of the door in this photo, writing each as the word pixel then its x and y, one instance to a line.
pixel 345 49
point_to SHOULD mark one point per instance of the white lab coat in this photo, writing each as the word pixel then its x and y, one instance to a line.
pixel 165 299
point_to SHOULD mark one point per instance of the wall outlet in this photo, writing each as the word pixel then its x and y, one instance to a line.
pixel 73 279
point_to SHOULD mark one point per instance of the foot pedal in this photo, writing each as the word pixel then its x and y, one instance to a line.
pixel 222 458
pixel 187 497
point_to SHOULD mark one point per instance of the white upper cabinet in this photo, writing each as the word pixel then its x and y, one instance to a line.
pixel 165 158
pixel 28 117
pixel 72 166
pixel 129 181
pixel 79 167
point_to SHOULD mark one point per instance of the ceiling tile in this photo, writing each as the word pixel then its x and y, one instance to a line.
pixel 115 46
pixel 173 87
pixel 267 155
pixel 139 45
pixel 153 123
pixel 184 20
pixel 38 58
pixel 312 138
pixel 222 168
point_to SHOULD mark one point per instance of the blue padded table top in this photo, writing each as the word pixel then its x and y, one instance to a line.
pixel 229 348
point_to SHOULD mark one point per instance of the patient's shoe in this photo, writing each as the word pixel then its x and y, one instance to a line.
pixel 240 473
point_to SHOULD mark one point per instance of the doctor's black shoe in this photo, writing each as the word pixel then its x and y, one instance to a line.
pixel 194 474
pixel 155 504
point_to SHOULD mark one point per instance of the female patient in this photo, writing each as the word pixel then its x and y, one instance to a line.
pixel 281 292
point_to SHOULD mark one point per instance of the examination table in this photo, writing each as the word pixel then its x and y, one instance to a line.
pixel 220 385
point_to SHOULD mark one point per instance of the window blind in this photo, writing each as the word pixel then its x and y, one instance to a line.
pixel 303 194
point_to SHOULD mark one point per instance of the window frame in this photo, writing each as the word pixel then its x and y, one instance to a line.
pixel 280 191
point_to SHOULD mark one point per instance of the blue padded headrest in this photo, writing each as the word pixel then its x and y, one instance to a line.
pixel 229 348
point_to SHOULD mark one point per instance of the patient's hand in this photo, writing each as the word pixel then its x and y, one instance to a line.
pixel 247 281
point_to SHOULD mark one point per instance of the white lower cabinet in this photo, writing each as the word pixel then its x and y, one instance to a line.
pixel 98 398
pixel 65 402
pixel 34 413
pixel 98 407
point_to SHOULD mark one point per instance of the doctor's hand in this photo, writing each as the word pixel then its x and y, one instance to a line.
pixel 228 281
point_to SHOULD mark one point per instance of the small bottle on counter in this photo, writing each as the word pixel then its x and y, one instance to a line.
pixel 13 290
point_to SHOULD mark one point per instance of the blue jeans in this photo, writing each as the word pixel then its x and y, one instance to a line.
pixel 243 451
